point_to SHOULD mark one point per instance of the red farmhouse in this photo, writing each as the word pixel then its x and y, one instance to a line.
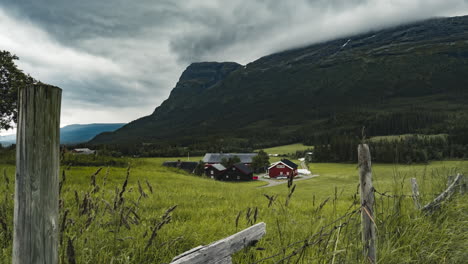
pixel 283 168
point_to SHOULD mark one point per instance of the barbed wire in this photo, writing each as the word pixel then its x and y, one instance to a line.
pixel 314 238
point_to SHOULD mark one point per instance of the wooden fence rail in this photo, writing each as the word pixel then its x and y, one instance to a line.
pixel 35 238
pixel 458 181
pixel 220 252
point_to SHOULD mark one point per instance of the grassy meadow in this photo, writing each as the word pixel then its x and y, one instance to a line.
pixel 106 219
pixel 287 149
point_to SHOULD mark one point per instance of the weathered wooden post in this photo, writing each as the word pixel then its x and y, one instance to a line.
pixel 445 194
pixel 37 175
pixel 415 189
pixel 367 203
pixel 220 252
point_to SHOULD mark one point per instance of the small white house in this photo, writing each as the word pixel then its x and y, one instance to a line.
pixel 83 151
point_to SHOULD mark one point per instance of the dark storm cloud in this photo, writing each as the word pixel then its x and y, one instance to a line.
pixel 121 55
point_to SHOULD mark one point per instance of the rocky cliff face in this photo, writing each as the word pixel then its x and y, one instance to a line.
pixel 197 78
pixel 332 87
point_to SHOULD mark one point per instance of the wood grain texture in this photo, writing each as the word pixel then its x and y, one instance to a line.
pixel 37 176
pixel 367 204
pixel 415 189
pixel 445 194
pixel 221 250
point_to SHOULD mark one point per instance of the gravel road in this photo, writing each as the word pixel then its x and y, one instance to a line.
pixel 272 182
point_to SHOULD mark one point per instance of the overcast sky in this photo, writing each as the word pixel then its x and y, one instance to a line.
pixel 116 60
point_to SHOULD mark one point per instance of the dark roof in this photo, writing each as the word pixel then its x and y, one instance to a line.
pixel 219 167
pixel 243 168
pixel 217 157
pixel 289 163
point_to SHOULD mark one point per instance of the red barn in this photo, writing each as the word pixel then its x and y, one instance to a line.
pixel 282 168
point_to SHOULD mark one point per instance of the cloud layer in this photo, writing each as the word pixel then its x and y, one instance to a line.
pixel 117 60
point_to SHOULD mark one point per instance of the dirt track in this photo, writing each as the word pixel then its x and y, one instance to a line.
pixel 272 183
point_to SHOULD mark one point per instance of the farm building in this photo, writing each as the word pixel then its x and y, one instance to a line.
pixel 237 172
pixel 282 168
pixel 216 158
pixel 83 151
pixel 184 165
pixel 214 171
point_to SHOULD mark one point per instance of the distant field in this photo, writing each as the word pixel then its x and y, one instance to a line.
pixel 207 210
pixel 398 137
pixel 287 149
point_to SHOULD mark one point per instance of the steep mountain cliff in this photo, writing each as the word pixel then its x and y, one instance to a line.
pixel 405 79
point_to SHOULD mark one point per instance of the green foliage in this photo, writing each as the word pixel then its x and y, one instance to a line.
pixel 260 162
pixel 71 159
pixel 8 155
pixel 10 79
pixel 200 168
pixel 228 162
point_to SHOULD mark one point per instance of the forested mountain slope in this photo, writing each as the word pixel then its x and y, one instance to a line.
pixel 407 79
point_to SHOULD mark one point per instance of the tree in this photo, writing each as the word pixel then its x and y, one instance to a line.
pixel 229 162
pixel 200 168
pixel 260 161
pixel 10 79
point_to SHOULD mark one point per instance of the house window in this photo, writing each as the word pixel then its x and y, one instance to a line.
pixel 280 166
pixel 212 172
pixel 233 169
pixel 238 177
pixel 281 173
pixel 287 173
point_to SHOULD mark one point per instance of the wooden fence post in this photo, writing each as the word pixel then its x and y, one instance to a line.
pixel 35 238
pixel 367 203
pixel 415 189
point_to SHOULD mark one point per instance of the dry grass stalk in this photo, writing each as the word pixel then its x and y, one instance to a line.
pixel 237 219
pixel 271 199
pixel 124 187
pixel 165 219
pixel 62 182
pixel 71 252
pixel 7 180
pixel 149 186
pixel 93 177
pixel 77 198
pixel 63 226
pixel 291 191
pixel 140 189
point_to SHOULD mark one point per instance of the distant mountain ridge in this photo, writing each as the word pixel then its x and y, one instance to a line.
pixel 73 134
pixel 406 79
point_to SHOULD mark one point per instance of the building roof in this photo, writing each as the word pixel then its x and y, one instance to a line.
pixel 217 157
pixel 286 162
pixel 84 151
pixel 243 168
pixel 218 166
pixel 289 163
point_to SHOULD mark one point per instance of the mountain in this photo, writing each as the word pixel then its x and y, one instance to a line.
pixel 405 79
pixel 73 134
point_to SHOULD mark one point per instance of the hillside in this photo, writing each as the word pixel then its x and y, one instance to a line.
pixel 407 79
pixel 73 134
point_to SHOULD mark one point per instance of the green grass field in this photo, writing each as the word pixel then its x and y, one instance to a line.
pixel 107 232
pixel 287 149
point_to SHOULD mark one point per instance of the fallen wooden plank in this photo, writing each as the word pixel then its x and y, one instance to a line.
pixel 221 250
pixel 444 195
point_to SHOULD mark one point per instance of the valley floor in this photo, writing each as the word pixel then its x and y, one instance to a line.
pixel 208 210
